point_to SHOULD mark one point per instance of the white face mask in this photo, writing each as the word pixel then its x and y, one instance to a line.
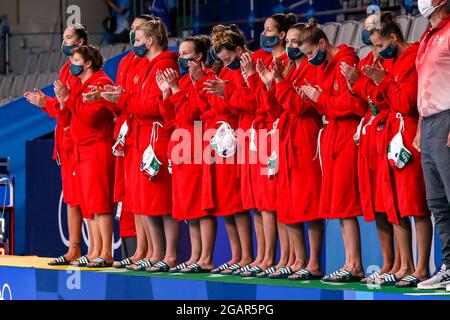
pixel 119 146
pixel 426 7
pixel 398 155
pixel 224 141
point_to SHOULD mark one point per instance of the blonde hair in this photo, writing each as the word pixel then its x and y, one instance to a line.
pixel 158 30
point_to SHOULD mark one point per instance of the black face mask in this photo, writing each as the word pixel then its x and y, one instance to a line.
pixel 235 64
pixel 294 53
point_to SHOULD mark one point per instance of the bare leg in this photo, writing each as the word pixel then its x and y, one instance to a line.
pixel 404 239
pixel 208 230
pixel 96 239
pixel 244 227
pixel 196 241
pixel 315 231
pixel 260 238
pixel 171 234
pixel 106 232
pixel 233 236
pixel 386 236
pixel 74 221
pixel 424 233
pixel 284 245
pixel 158 240
pixel 352 242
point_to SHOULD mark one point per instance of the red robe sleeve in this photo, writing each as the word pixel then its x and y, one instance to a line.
pixel 343 105
pixel 401 95
pixel 145 102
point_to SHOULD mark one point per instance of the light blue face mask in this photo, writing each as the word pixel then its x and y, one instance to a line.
pixel 318 59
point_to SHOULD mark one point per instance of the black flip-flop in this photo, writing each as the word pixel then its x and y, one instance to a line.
pixel 160 266
pixel 81 262
pixel 100 263
pixel 178 268
pixel 123 263
pixel 304 274
pixel 266 272
pixel 196 268
pixel 341 276
pixel 410 282
pixel 230 270
pixel 221 268
pixel 283 273
pixel 252 272
pixel 60 261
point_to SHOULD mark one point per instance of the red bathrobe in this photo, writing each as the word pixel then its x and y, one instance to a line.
pixel 221 192
pixel 339 196
pixel 63 145
pixel 92 129
pixel 128 78
pixel 403 189
pixel 372 128
pixel 299 175
pixel 243 98
pixel 183 109
pixel 150 197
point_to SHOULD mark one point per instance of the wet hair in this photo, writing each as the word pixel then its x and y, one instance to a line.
pixel 283 21
pixel 201 45
pixel 311 33
pixel 388 26
pixel 227 37
pixel 157 29
pixel 92 54
pixel 81 31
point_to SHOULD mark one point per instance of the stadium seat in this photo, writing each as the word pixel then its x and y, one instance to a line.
pixel 405 22
pixel 30 65
pixel 347 32
pixel 30 82
pixel 418 27
pixel 5 86
pixel 17 85
pixel 331 29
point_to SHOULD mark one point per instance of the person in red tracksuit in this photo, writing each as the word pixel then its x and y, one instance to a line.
pixel 183 105
pixel 92 128
pixel 151 190
pixel 337 152
pixel 134 242
pixel 369 133
pixel 403 186
pixel 73 36
pixel 222 190
pixel 299 169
